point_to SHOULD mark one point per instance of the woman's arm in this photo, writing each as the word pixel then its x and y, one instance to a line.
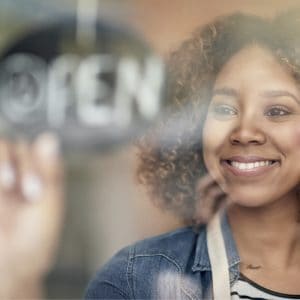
pixel 112 281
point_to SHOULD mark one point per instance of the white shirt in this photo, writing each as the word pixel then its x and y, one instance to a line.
pixel 245 288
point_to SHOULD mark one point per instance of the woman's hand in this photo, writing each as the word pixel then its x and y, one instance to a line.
pixel 31 210
pixel 210 197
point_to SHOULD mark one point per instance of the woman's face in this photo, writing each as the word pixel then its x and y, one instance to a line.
pixel 252 132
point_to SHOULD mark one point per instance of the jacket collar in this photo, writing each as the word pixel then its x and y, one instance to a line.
pixel 202 263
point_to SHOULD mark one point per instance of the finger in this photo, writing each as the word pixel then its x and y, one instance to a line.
pixel 222 202
pixel 208 204
pixel 214 192
pixel 30 181
pixel 218 204
pixel 204 182
pixel 7 171
pixel 46 150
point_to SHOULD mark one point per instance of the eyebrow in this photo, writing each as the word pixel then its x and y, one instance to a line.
pixel 272 93
pixel 225 91
pixel 280 93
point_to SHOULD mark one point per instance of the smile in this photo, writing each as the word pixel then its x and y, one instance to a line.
pixel 249 166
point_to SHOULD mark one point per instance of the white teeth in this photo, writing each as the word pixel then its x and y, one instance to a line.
pixel 249 166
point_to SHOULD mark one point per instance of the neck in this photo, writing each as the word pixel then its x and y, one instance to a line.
pixel 268 236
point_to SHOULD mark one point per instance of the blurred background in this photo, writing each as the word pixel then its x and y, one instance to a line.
pixel 106 209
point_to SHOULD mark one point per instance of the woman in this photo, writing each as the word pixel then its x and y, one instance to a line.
pixel 233 88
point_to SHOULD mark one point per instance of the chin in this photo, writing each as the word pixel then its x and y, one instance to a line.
pixel 249 200
pixel 247 203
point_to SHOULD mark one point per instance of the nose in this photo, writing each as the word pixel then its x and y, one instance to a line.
pixel 248 131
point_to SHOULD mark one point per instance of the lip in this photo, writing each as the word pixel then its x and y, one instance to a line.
pixel 249 159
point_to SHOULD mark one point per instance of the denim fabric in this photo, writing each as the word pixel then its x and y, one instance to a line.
pixel 171 266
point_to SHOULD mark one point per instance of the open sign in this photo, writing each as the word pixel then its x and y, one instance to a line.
pixel 96 90
pixel 102 90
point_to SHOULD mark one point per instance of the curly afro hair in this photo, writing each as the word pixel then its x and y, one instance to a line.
pixel 170 155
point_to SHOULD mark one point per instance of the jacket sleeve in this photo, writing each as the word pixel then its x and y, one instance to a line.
pixel 111 281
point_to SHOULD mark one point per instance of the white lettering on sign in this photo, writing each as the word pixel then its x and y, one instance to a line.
pixel 144 87
pixel 60 87
pixel 101 89
pixel 93 92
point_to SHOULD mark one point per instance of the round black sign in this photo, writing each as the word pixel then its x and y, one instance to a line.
pixel 93 88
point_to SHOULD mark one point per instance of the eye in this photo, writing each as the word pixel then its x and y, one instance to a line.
pixel 277 111
pixel 224 110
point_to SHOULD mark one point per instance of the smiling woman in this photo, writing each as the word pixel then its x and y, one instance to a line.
pixel 235 83
pixel 251 134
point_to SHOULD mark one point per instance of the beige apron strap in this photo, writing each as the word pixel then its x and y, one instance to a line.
pixel 218 260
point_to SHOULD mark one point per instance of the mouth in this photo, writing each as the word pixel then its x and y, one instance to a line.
pixel 249 166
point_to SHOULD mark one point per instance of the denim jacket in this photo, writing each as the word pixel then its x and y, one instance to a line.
pixel 170 266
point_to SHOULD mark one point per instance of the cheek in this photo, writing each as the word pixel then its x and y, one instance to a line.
pixel 208 144
pixel 214 139
pixel 294 143
pixel 288 136
pixel 214 135
pixel 296 136
pixel 287 139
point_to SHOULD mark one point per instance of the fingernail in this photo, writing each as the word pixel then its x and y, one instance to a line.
pixel 48 145
pixel 7 176
pixel 223 187
pixel 31 187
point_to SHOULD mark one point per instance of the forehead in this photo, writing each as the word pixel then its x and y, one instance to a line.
pixel 254 65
